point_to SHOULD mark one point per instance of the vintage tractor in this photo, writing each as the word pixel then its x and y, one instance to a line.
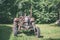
pixel 27 23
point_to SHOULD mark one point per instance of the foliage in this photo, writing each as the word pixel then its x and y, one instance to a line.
pixel 44 11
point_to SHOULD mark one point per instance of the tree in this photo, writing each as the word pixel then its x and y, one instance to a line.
pixel 44 11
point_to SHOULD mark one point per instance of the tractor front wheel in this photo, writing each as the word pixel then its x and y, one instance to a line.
pixel 37 32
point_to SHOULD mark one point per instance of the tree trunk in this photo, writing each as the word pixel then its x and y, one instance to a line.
pixel 31 11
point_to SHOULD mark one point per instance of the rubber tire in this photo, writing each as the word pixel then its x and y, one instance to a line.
pixel 15 30
pixel 37 32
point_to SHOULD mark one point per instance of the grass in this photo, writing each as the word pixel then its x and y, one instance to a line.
pixel 48 31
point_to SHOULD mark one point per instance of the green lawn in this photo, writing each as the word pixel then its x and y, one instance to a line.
pixel 48 31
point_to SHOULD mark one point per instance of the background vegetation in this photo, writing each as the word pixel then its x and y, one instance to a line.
pixel 44 11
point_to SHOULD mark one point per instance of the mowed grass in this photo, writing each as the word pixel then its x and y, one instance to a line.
pixel 48 31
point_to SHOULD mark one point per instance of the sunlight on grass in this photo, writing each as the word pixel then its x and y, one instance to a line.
pixel 48 31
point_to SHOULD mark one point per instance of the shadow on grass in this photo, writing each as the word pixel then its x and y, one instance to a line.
pixel 5 32
pixel 30 33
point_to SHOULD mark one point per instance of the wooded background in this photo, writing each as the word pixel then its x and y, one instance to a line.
pixel 44 11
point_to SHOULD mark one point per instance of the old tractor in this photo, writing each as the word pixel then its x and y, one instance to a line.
pixel 25 23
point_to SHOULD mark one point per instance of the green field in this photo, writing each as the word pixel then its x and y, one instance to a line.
pixel 48 31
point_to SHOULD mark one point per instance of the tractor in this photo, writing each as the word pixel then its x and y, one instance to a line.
pixel 27 23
